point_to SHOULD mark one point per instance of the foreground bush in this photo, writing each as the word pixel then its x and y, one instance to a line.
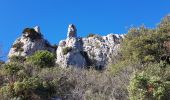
pixel 23 90
pixel 21 82
pixel 151 84
pixel 80 84
pixel 32 83
pixel 147 51
pixel 42 59
pixel 20 59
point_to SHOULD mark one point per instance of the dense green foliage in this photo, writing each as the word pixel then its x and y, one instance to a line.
pixel 42 59
pixel 153 83
pixel 66 50
pixel 148 51
pixel 21 82
pixel 20 59
pixel 144 45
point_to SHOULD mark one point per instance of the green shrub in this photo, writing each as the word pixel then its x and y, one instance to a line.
pixel 20 59
pixel 151 84
pixel 42 59
pixel 144 45
pixel 91 35
pixel 66 50
pixel 25 90
pixel 148 88
pixel 9 72
pixel 12 68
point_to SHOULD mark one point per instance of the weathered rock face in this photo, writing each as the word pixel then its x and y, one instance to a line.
pixel 100 49
pixel 92 51
pixel 72 31
pixel 30 41
pixel 69 53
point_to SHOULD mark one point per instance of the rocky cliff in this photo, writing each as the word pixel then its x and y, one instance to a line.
pixel 93 50
pixel 30 41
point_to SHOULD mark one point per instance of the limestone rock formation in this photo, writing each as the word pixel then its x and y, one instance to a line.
pixel 69 53
pixel 30 41
pixel 100 49
pixel 69 50
pixel 72 31
pixel 91 51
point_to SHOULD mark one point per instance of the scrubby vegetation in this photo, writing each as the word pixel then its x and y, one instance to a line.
pixel 153 83
pixel 140 71
pixel 28 81
pixel 147 51
pixel 66 50
pixel 20 59
pixel 31 33
pixel 91 35
pixel 42 59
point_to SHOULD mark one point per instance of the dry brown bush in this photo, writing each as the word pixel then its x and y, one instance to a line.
pixel 78 84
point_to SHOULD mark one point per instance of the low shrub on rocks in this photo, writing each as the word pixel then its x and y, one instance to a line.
pixel 66 50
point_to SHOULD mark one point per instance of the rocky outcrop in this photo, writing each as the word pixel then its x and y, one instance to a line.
pixel 72 31
pixel 100 49
pixel 93 50
pixel 69 53
pixel 30 41
pixel 69 50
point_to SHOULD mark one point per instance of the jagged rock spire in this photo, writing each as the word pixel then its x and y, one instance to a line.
pixel 37 29
pixel 72 31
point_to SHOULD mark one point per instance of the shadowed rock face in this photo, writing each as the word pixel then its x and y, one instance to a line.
pixel 94 50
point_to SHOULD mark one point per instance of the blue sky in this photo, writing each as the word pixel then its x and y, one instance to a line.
pixel 90 16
